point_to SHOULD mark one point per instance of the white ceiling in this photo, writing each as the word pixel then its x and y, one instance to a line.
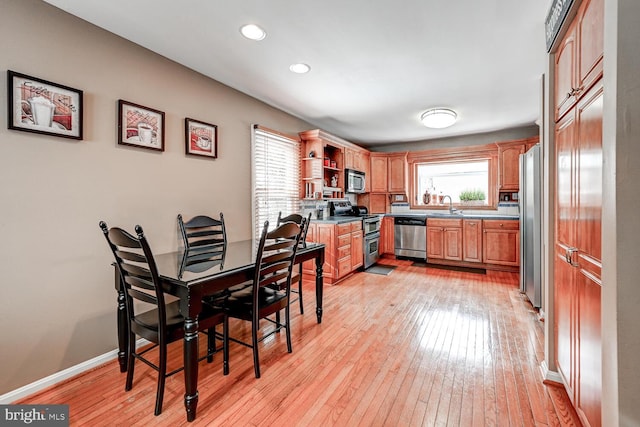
pixel 376 65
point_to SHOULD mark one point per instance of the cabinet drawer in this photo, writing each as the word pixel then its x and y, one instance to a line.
pixel 343 228
pixel 438 222
pixel 356 226
pixel 344 266
pixel 496 224
pixel 344 240
pixel 344 251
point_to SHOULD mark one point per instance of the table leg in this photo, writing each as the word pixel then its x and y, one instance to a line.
pixel 191 367
pixel 319 285
pixel 123 328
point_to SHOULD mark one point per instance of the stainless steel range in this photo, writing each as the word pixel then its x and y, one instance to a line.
pixel 370 226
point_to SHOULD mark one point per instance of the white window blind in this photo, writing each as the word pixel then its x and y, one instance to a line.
pixel 276 177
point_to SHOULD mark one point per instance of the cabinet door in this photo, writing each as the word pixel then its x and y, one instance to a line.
pixel 357 249
pixel 349 159
pixel 452 243
pixel 591 42
pixel 435 242
pixel 397 174
pixel 378 174
pixel 386 245
pixel 472 240
pixel 378 203
pixel 565 73
pixel 565 309
pixel 501 242
pixel 509 163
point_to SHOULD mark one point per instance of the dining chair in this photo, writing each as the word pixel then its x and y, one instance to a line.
pixel 270 290
pixel 304 223
pixel 201 233
pixel 163 323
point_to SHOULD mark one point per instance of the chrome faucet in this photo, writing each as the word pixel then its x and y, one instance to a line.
pixel 451 209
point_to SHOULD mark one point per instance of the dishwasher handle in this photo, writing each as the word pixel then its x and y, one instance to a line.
pixel 403 220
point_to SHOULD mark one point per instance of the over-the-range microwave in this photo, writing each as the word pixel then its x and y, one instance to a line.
pixel 354 181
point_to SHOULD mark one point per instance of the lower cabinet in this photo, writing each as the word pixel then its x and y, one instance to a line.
pixel 501 242
pixel 387 232
pixel 472 238
pixel 444 239
pixel 343 249
pixel 480 243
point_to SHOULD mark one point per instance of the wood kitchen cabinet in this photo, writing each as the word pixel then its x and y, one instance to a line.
pixel 472 240
pixel 509 162
pixel 379 179
pixel 444 239
pixel 343 249
pixel 397 173
pixel 387 233
pixel 579 60
pixel 501 242
pixel 578 253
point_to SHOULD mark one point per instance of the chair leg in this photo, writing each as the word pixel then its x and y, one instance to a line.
pixel 300 291
pixel 254 340
pixel 130 362
pixel 211 344
pixel 225 346
pixel 278 322
pixel 287 329
pixel 162 376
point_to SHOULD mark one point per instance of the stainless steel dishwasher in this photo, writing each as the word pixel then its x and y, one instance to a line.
pixel 410 237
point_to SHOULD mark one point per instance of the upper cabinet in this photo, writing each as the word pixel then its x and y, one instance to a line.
pixel 379 163
pixel 389 173
pixel 509 162
pixel 397 173
pixel 324 159
pixel 578 61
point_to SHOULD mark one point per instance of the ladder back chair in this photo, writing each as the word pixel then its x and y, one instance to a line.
pixel 163 323
pixel 270 290
pixel 303 222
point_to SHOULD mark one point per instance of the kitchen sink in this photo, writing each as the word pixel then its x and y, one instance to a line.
pixel 447 214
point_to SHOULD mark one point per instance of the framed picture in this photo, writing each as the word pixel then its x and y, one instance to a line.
pixel 140 126
pixel 201 139
pixel 40 106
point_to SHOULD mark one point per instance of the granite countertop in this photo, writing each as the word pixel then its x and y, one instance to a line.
pixel 343 219
pixel 336 219
pixel 454 216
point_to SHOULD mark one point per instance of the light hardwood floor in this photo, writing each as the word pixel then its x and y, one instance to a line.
pixel 419 347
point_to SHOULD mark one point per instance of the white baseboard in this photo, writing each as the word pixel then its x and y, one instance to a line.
pixel 58 377
pixel 549 375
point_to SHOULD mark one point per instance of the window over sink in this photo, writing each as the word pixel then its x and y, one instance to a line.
pixel 467 176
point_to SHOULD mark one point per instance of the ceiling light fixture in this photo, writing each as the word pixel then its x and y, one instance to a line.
pixel 300 68
pixel 253 32
pixel 438 118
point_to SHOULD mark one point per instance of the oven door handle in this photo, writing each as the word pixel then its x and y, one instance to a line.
pixel 372 236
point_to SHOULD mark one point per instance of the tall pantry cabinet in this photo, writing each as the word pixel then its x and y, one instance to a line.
pixel 578 206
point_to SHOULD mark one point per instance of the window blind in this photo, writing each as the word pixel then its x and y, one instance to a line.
pixel 276 177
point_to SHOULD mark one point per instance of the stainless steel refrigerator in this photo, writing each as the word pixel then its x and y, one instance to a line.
pixel 531 225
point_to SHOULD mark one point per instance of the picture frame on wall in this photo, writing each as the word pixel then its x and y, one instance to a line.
pixel 40 106
pixel 201 139
pixel 140 126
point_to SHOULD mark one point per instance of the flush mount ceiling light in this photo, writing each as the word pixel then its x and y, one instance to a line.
pixel 300 68
pixel 438 118
pixel 253 32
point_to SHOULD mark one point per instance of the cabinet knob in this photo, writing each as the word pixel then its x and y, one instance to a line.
pixel 501 225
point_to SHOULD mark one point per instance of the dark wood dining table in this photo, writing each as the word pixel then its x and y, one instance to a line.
pixel 190 286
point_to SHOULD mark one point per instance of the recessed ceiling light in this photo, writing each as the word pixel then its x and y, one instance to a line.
pixel 253 32
pixel 300 68
pixel 438 118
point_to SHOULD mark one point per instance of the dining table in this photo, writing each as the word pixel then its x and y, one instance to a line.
pixel 191 285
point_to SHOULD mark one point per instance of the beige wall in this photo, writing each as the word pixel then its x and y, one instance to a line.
pixel 57 303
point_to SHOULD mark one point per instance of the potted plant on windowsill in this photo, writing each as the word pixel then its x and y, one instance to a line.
pixel 473 197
